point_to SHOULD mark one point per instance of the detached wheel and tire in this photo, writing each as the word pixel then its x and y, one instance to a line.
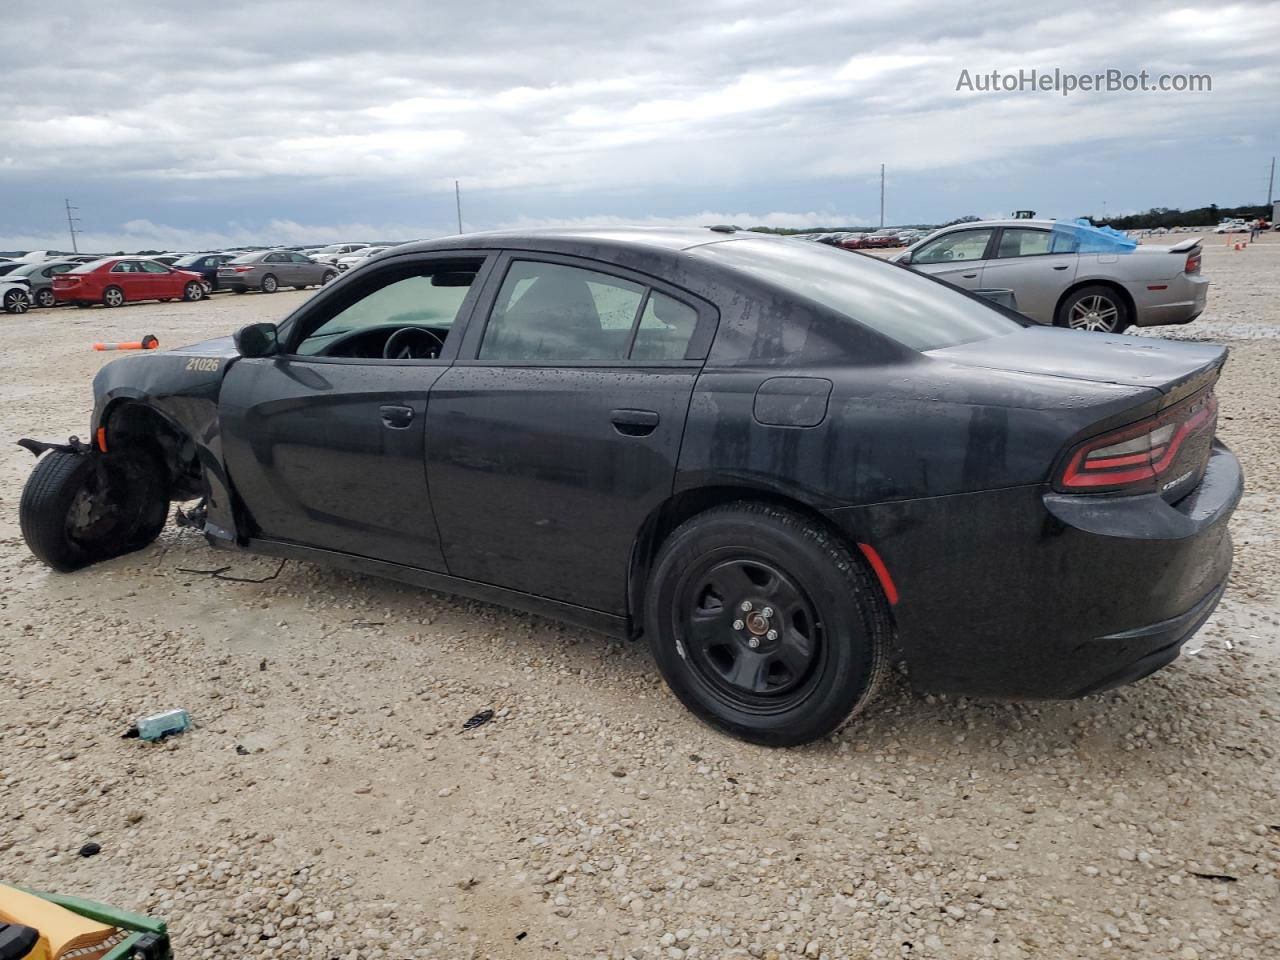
pixel 193 291
pixel 112 297
pixel 1097 309
pixel 270 284
pixel 80 509
pixel 765 625
pixel 45 297
pixel 16 301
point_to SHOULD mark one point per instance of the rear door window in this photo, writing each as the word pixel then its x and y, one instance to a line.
pixel 547 313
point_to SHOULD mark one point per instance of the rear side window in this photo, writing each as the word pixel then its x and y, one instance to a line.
pixel 908 307
pixel 551 312
pixel 666 327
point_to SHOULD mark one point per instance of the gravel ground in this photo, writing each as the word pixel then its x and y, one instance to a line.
pixel 328 805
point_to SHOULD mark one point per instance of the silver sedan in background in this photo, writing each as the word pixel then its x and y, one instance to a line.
pixel 1056 281
pixel 269 270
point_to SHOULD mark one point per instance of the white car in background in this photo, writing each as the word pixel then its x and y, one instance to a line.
pixel 1232 226
pixel 333 251
pixel 356 258
pixel 15 295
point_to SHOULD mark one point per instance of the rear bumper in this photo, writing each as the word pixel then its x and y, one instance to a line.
pixel 1183 299
pixel 1028 594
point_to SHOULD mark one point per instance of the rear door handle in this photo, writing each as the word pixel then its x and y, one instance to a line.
pixel 634 423
pixel 968 276
pixel 1063 267
pixel 396 417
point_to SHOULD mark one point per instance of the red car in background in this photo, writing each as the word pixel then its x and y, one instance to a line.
pixel 112 281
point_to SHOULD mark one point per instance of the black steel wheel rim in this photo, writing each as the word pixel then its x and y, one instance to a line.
pixel 750 632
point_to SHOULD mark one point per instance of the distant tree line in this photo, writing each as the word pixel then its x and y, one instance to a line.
pixel 1173 217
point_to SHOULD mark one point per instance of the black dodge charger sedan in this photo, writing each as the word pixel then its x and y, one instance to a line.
pixel 782 464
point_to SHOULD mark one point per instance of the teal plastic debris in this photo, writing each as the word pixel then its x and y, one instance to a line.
pixel 161 725
pixel 1081 236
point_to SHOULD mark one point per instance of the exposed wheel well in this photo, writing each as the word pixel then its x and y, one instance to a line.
pixel 679 508
pixel 1124 295
pixel 132 422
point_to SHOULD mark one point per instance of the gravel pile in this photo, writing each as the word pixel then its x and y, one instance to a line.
pixel 329 804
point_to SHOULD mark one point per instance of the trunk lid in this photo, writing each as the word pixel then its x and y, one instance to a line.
pixel 1183 374
pixel 1176 369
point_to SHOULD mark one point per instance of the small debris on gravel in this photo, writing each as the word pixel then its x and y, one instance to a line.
pixel 90 850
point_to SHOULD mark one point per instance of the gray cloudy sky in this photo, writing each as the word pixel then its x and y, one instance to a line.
pixel 184 127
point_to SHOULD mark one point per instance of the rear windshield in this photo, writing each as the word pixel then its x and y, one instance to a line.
pixel 246 258
pixel 910 308
pixel 93 265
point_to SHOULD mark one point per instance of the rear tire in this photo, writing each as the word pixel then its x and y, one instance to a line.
pixel 45 297
pixel 806 656
pixel 78 509
pixel 16 301
pixel 328 275
pixel 1096 309
pixel 112 297
pixel 270 284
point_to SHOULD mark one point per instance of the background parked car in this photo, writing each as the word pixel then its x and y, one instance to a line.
pixel 15 295
pixel 1232 226
pixel 269 270
pixel 1055 284
pixel 112 281
pixel 205 264
pixel 40 277
pixel 353 259
pixel 331 253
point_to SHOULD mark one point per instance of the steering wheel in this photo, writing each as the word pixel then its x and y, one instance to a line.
pixel 401 345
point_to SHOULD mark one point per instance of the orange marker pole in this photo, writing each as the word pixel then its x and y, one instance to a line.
pixel 148 342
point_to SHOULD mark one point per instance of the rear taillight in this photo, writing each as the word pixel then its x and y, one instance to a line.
pixel 1193 262
pixel 244 269
pixel 1135 457
pixel 65 281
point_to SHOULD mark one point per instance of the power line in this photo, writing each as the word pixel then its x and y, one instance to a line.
pixel 71 224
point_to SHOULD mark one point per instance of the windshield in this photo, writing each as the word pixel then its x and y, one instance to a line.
pixel 912 309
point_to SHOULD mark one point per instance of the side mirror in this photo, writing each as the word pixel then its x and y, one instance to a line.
pixel 257 340
pixel 903 257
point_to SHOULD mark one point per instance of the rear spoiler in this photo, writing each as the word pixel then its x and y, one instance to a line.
pixel 1182 246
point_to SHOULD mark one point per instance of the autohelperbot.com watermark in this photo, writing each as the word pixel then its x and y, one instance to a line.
pixel 1065 83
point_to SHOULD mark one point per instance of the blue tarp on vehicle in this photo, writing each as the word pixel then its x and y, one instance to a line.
pixel 1083 237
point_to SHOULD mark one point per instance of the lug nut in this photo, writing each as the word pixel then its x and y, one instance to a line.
pixel 753 642
pixel 767 612
pixel 746 605
pixel 738 624
pixel 772 635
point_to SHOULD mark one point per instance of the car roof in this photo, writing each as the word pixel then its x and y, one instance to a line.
pixel 1008 222
pixel 602 239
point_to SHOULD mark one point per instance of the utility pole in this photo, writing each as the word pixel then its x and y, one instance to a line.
pixel 882 196
pixel 457 196
pixel 71 224
pixel 1271 182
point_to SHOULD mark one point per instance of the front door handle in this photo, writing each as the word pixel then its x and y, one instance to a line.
pixel 1063 267
pixel 396 417
pixel 968 276
pixel 634 423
